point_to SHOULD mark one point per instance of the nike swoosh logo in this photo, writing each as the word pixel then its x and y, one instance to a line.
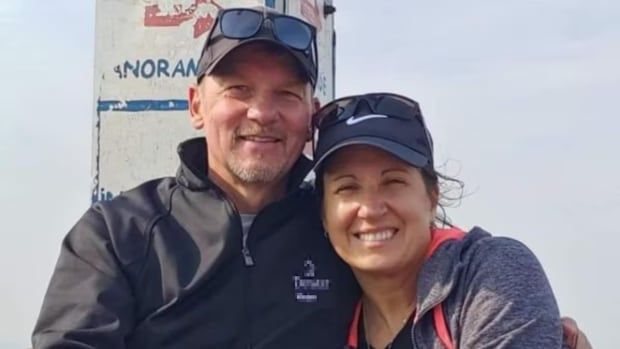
pixel 353 120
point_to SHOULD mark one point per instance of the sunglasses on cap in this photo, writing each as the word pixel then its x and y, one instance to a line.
pixel 244 23
pixel 357 108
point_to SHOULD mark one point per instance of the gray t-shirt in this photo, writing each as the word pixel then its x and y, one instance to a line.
pixel 246 223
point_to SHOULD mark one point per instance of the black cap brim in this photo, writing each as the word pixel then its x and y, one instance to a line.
pixel 408 155
pixel 232 44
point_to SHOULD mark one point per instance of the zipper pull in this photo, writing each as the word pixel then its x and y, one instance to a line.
pixel 247 257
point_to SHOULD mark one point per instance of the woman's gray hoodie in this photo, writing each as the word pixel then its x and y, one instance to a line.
pixel 494 294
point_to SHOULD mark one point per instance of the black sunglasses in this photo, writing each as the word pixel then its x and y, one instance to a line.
pixel 244 23
pixel 389 104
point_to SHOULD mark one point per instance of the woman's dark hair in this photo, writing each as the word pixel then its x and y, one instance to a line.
pixel 449 193
pixel 448 190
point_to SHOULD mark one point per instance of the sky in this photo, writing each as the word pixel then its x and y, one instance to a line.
pixel 520 97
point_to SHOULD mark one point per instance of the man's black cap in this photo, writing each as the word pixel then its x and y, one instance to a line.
pixel 217 47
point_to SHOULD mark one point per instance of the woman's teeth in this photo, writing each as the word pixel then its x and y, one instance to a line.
pixel 376 236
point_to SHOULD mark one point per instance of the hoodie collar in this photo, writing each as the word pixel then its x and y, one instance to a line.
pixel 440 270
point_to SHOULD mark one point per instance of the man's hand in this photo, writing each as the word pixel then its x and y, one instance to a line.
pixel 573 335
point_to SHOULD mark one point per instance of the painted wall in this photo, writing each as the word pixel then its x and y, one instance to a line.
pixel 145 59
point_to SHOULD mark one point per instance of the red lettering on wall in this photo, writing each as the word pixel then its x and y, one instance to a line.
pixel 154 17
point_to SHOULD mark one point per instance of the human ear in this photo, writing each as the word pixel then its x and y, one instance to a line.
pixel 434 196
pixel 195 107
pixel 316 105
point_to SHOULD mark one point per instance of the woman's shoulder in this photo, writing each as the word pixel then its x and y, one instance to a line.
pixel 503 282
pixel 500 262
pixel 478 245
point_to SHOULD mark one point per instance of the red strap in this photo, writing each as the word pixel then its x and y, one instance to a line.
pixel 441 328
pixel 353 335
pixel 438 236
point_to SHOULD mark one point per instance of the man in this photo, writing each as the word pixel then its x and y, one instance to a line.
pixel 229 253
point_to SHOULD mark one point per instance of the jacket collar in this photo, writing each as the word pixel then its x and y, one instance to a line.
pixel 441 271
pixel 193 170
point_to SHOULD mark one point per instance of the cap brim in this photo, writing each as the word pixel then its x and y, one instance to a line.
pixel 402 152
pixel 242 42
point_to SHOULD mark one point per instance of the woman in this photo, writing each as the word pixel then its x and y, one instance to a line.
pixel 424 286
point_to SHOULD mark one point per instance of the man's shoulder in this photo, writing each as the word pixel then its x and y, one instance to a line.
pixel 125 219
pixel 147 198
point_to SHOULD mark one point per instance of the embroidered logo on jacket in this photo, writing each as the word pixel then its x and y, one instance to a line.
pixel 308 286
